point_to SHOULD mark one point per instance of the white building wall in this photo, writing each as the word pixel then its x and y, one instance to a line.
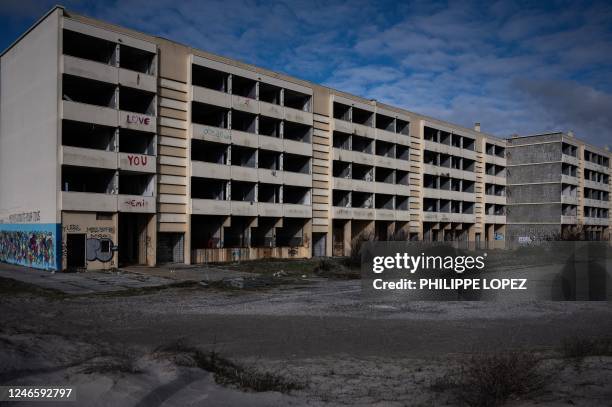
pixel 29 168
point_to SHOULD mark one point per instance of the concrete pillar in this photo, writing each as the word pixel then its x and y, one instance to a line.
pixel 151 240
pixel 347 233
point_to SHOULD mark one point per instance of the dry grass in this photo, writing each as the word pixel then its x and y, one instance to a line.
pixel 580 347
pixel 227 372
pixel 247 378
pixel 333 268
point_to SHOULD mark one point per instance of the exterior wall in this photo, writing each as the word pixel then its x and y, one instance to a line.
pixel 537 176
pixel 321 171
pixel 173 142
pixel 29 169
pixel 96 232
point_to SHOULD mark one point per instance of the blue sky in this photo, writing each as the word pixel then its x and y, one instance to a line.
pixel 516 67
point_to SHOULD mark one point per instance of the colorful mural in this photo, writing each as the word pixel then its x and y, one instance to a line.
pixel 32 245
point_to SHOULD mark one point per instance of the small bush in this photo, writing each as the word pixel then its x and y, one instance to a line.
pixel 579 347
pixel 330 268
pixel 229 373
pixel 354 260
pixel 486 380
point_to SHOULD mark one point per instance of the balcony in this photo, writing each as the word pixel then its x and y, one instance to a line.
pixel 136 203
pixel 569 199
pixel 570 159
pixel 269 210
pixel 245 104
pixel 298 116
pixel 353 156
pixel 210 207
pixel 496 219
pixel 354 185
pixel 137 162
pixel 448 217
pixel 204 169
pixel 596 167
pixel 248 174
pixel 297 211
pixel 596 221
pixel 450 150
pixel 88 201
pixel 595 185
pixel 568 220
pixel 137 80
pixel 88 157
pixel 435 193
pixel 354 128
pixel 494 179
pixel 454 173
pixel 568 179
pixel 364 213
pixel 75 111
pixel 210 133
pixel 297 179
pixel 595 203
pixel 297 147
pixel 271 110
pixel 242 208
pixel 90 69
pixel 212 97
pixel 495 199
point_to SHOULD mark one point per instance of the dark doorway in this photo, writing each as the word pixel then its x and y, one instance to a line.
pixel 132 238
pixel 75 250
pixel 170 248
pixel 319 244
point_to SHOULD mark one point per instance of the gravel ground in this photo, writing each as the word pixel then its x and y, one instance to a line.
pixel 317 332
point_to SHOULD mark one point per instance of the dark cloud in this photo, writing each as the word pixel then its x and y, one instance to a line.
pixel 571 106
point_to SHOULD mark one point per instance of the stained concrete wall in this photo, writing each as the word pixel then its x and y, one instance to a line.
pixel 535 153
pixel 540 213
pixel 532 193
pixel 534 232
pixel 548 172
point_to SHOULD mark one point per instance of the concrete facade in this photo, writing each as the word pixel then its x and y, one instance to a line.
pixel 558 185
pixel 148 151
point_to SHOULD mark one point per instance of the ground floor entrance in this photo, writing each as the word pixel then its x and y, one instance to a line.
pixel 134 241
pixel 171 247
pixel 75 250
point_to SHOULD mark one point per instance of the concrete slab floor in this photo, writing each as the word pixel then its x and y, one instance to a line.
pixel 83 283
pixel 188 273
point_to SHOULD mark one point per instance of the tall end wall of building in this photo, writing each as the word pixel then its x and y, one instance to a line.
pixel 29 168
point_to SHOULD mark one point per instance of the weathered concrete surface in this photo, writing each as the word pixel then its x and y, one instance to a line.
pixel 82 283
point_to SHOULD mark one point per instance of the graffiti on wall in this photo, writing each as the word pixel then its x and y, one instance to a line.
pixel 136 160
pixel 100 249
pixel 136 203
pixel 137 119
pixel 32 248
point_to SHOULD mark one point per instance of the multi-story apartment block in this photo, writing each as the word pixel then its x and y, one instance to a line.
pixel 557 184
pixel 117 147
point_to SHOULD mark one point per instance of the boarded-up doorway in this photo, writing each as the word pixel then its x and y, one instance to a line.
pixel 170 248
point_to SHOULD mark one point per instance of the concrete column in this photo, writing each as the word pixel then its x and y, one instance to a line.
pixel 347 233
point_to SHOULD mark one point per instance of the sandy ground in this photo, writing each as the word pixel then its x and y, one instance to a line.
pixel 320 333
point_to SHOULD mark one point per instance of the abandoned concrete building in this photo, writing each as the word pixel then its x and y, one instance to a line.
pixel 118 147
pixel 556 182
